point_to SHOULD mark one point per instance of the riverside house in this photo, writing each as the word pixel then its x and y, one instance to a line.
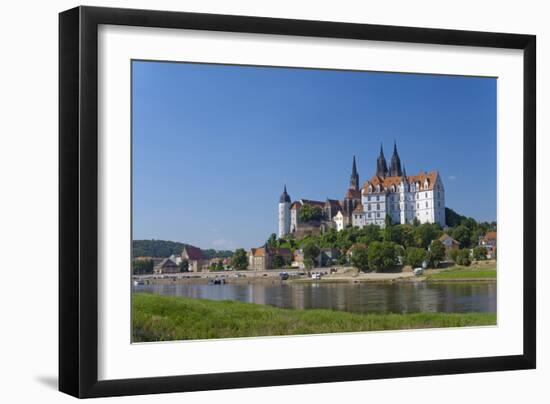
pixel 166 266
pixel 260 259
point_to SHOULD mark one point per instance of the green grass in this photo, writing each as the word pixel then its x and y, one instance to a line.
pixel 465 273
pixel 166 318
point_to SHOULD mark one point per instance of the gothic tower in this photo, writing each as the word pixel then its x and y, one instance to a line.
pixel 354 179
pixel 395 165
pixel 381 166
pixel 284 214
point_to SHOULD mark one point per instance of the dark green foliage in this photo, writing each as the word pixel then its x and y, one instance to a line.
pixel 462 234
pixel 164 248
pixel 156 248
pixel 414 256
pixel 382 255
pixel 240 259
pixel 278 261
pixel 436 253
pixel 423 234
pixel 309 213
pixel 272 240
pixel 311 252
pixel 453 219
pixel 142 266
pixel 479 253
pixel 360 257
pixel 211 253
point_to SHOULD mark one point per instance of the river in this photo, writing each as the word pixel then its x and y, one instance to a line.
pixel 404 297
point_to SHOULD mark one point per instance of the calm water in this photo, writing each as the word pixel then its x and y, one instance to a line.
pixel 362 298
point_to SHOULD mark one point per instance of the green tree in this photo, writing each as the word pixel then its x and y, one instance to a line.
pixel 414 256
pixel 463 257
pixel 272 240
pixel 310 213
pixel 311 252
pixel 388 228
pixel 142 266
pixel 184 266
pixel 436 253
pixel 240 259
pixel 424 234
pixel 278 261
pixel 382 255
pixel 461 234
pixel 452 218
pixel 360 257
pixel 479 253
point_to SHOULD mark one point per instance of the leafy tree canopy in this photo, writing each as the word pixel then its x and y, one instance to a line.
pixel 382 255
pixel 240 259
pixel 310 213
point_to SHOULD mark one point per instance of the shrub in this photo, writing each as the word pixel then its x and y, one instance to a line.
pixel 415 256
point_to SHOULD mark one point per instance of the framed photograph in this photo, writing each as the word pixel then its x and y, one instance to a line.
pixel 250 201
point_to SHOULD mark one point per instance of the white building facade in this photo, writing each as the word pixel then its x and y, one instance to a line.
pixel 390 192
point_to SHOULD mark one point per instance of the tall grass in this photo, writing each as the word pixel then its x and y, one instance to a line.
pixel 167 318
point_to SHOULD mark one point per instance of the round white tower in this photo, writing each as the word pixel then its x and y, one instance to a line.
pixel 284 214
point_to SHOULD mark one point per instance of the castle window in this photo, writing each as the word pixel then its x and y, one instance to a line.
pixel 377 206
pixel 368 206
pixel 426 204
pixel 377 214
pixel 426 194
pixel 377 197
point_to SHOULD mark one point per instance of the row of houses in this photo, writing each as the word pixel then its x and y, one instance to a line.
pixel 264 258
pixel 194 257
pixel 489 241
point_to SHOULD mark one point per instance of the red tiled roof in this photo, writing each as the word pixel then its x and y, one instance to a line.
pixel 491 235
pixel 193 253
pixel 387 182
pixel 260 252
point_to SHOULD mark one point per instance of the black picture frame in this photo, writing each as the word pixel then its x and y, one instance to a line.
pixel 78 201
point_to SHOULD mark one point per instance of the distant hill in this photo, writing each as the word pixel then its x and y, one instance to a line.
pixel 165 248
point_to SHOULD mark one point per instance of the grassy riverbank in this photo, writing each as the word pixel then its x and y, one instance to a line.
pixel 460 273
pixel 165 318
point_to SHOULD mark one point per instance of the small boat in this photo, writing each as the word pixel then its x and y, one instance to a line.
pixel 139 282
pixel 216 282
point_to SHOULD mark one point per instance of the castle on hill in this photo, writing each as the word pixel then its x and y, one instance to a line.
pixel 390 191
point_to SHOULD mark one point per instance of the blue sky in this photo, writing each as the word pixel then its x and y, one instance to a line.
pixel 213 145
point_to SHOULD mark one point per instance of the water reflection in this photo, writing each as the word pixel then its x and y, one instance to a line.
pixel 361 298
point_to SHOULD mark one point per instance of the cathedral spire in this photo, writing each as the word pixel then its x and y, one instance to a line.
pixel 285 198
pixel 395 165
pixel 354 179
pixel 381 165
